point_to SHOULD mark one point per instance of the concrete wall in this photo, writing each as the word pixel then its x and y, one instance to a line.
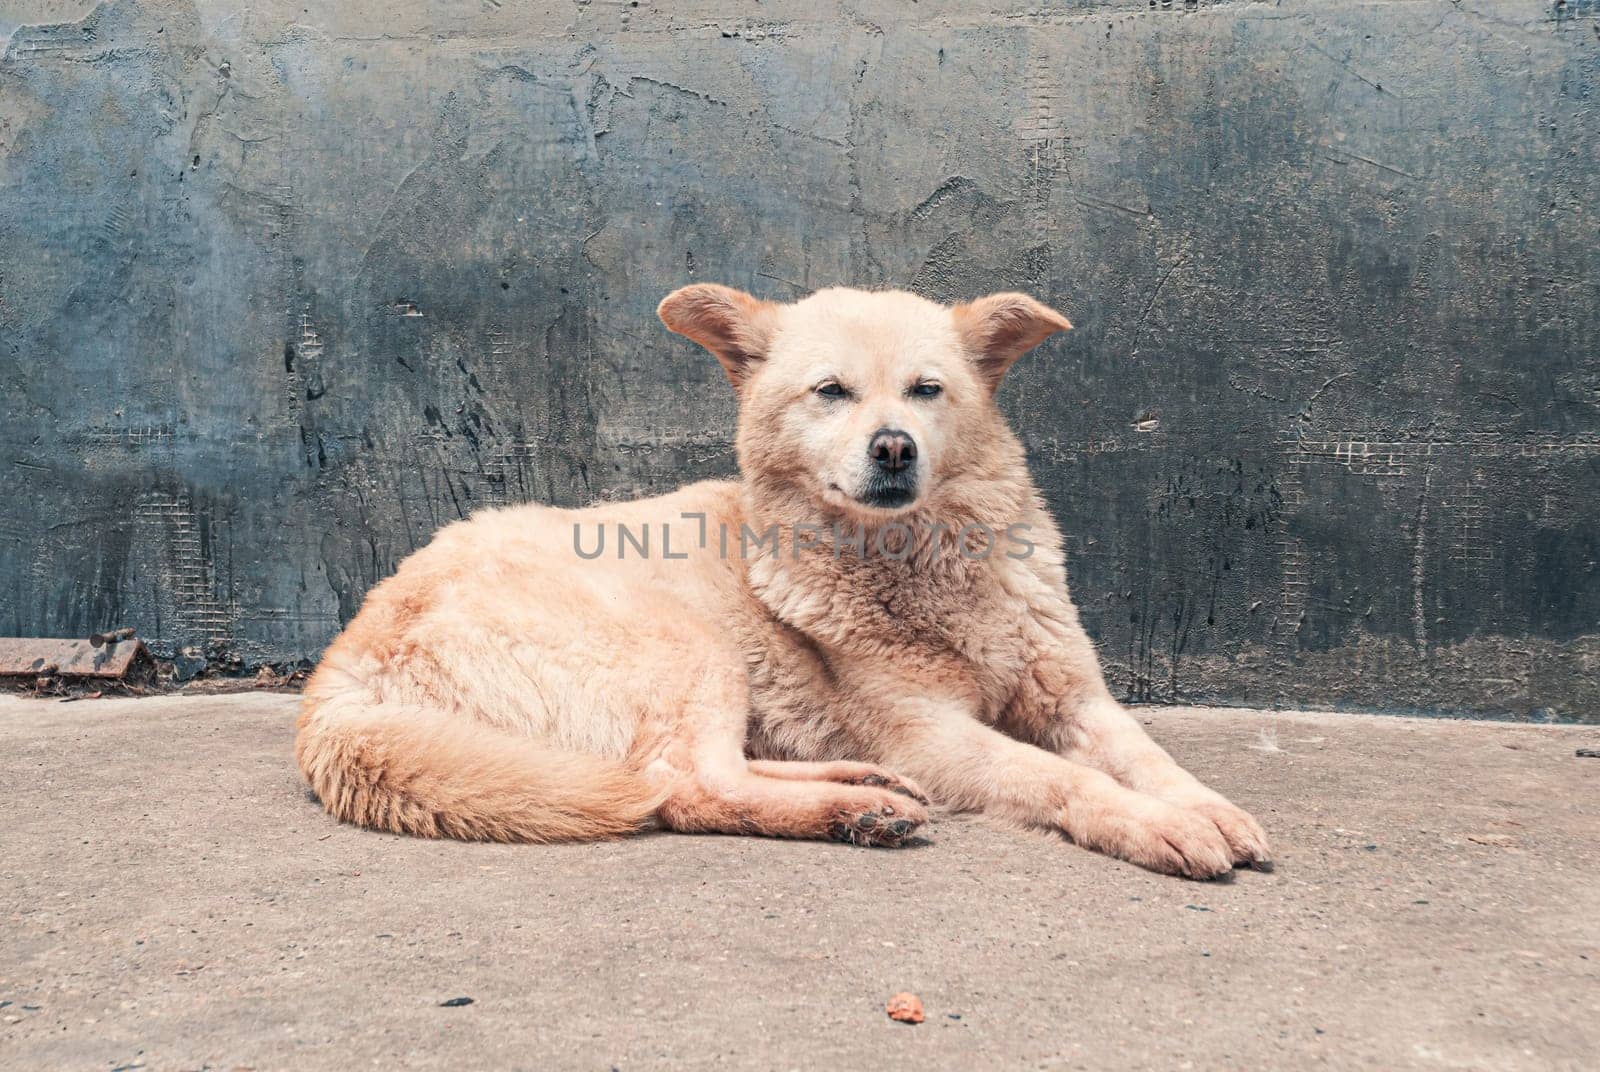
pixel 285 287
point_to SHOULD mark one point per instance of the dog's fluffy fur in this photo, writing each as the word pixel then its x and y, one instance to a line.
pixel 501 686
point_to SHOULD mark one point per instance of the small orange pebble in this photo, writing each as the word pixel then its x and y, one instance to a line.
pixel 905 1007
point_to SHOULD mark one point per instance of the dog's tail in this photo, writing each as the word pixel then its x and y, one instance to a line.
pixel 411 770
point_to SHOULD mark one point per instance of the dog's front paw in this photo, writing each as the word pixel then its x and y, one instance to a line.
pixel 1151 833
pixel 1247 842
pixel 882 779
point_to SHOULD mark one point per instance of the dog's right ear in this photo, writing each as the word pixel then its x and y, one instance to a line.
pixel 735 327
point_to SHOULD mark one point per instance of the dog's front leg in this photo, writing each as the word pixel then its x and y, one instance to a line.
pixel 965 764
pixel 1065 706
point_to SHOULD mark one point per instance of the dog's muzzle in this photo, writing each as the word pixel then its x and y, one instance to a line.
pixel 893 479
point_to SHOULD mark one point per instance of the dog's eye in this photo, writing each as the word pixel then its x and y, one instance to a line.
pixel 927 390
pixel 832 390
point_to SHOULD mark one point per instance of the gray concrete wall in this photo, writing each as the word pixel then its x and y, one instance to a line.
pixel 283 288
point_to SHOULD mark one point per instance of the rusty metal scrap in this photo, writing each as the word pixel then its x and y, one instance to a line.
pixel 55 656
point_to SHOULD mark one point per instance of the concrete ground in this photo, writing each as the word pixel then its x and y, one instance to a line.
pixel 171 899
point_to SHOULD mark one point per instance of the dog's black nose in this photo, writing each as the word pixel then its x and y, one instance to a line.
pixel 892 450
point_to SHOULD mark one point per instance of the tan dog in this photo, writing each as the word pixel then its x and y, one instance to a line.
pixel 881 592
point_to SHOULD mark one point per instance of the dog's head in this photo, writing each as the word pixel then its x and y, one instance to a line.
pixel 865 402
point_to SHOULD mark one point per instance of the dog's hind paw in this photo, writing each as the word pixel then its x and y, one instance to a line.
pixel 885 826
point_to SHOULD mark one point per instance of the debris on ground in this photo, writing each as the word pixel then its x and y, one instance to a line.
pixel 905 1007
pixel 455 1003
pixel 116 662
pixel 1588 753
pixel 188 663
pixel 1502 841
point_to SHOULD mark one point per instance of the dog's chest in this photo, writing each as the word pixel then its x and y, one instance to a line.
pixel 960 633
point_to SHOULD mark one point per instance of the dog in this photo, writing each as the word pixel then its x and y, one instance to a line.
pixel 873 616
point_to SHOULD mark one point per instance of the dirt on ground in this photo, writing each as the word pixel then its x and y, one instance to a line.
pixel 157 677
pixel 173 899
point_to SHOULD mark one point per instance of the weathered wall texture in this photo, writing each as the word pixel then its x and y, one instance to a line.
pixel 283 288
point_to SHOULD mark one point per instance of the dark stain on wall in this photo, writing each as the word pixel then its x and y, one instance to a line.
pixel 284 290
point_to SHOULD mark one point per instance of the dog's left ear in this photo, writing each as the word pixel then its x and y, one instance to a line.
pixel 1001 328
pixel 735 327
